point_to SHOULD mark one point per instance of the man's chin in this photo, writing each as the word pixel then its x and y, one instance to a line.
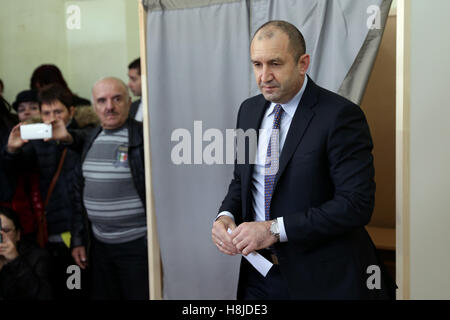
pixel 111 125
pixel 270 97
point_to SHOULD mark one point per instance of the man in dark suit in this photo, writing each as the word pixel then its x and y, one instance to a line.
pixel 304 202
pixel 134 83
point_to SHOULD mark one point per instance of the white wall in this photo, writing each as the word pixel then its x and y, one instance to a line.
pixel 429 231
pixel 35 32
pixel 31 33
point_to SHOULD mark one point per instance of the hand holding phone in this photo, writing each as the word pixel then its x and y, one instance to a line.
pixel 35 131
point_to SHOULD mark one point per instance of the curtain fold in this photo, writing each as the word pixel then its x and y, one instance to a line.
pixel 198 70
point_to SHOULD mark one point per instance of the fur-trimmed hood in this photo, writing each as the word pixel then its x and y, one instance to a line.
pixel 85 117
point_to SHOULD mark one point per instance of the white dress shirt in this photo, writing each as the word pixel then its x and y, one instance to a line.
pixel 139 113
pixel 263 142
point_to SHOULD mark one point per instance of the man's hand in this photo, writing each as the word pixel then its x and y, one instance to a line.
pixel 59 132
pixel 79 255
pixel 7 248
pixel 15 142
pixel 251 236
pixel 221 237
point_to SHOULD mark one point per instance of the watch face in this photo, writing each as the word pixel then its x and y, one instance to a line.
pixel 274 228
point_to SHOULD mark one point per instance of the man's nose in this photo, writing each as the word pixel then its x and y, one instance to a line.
pixel 266 74
pixel 109 104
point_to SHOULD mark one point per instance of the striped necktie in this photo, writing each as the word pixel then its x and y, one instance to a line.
pixel 272 160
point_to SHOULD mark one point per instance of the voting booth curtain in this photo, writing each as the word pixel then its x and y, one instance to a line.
pixel 198 73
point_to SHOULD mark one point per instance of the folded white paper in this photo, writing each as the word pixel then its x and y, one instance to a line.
pixel 258 262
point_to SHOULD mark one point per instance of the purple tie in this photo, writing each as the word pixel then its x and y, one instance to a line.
pixel 272 160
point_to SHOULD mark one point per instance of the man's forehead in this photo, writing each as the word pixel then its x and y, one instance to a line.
pixel 134 72
pixel 56 104
pixel 278 43
pixel 108 87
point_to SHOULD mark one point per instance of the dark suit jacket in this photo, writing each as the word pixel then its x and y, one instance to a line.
pixel 133 109
pixel 325 190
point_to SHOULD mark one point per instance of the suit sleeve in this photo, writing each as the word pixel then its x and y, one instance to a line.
pixel 233 201
pixel 351 170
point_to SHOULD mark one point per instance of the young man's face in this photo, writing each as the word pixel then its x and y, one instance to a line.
pixel 56 110
pixel 134 82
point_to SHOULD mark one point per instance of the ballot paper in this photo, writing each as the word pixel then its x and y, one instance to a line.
pixel 258 261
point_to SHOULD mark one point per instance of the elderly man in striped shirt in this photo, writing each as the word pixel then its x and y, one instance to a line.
pixel 110 197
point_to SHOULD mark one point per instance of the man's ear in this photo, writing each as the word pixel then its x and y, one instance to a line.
pixel 303 63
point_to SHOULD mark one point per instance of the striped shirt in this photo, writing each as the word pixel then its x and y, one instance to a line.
pixel 110 197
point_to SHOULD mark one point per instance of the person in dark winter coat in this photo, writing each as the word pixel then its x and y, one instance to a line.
pixel 55 103
pixel 7 122
pixel 24 268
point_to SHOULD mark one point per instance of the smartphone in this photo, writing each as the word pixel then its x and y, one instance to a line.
pixel 35 131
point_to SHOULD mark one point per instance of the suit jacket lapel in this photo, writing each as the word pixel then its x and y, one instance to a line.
pixel 254 122
pixel 299 124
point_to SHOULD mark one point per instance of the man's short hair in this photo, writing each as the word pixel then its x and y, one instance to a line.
pixel 296 41
pixel 55 92
pixel 136 64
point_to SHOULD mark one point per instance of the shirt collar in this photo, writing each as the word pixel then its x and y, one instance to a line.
pixel 291 106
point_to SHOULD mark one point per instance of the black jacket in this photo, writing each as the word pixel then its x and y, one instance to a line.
pixel 84 139
pixel 27 276
pixel 45 156
pixel 7 122
pixel 134 108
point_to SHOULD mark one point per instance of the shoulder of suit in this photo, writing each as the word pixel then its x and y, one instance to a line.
pixel 333 102
pixel 253 102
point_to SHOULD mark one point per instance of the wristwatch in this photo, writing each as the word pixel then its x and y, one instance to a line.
pixel 274 229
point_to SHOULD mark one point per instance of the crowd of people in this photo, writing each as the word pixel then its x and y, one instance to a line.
pixel 54 191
